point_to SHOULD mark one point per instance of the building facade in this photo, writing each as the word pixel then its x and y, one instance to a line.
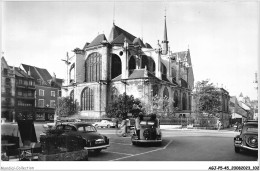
pixel 46 92
pixel 24 95
pixel 7 91
pixel 121 64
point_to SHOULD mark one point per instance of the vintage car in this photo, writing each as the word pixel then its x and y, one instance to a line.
pixel 248 137
pixel 94 140
pixel 149 133
pixel 104 123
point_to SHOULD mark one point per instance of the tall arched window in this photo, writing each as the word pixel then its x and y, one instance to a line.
pixel 175 99
pixel 87 99
pixel 93 67
pixel 184 101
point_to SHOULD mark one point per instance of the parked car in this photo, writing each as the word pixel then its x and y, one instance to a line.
pixel 93 140
pixel 104 123
pixel 149 132
pixel 248 137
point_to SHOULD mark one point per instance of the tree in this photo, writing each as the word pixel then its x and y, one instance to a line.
pixel 66 107
pixel 123 104
pixel 207 98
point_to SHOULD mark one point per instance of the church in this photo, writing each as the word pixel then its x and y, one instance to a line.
pixel 123 63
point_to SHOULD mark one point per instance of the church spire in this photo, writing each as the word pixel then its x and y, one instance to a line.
pixel 165 38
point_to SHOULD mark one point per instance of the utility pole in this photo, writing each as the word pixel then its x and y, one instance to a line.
pixel 67 63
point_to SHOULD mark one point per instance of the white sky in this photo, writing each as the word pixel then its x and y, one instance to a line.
pixel 222 35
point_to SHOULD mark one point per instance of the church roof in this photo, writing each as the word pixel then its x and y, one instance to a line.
pixel 138 41
pixel 97 40
pixel 116 31
pixel 147 45
pixel 86 45
pixel 137 73
pixel 181 54
pixel 121 39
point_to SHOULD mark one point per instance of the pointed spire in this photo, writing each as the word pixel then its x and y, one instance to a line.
pixel 165 38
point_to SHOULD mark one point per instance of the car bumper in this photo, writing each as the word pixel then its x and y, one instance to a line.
pixel 147 141
pixel 97 147
pixel 246 147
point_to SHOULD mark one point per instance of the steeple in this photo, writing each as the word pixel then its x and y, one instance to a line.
pixel 165 38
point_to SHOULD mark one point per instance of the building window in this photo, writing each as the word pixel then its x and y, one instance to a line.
pixel 87 99
pixel 20 93
pixel 29 94
pixel 93 67
pixel 53 93
pixel 20 82
pixel 8 81
pixel 41 103
pixel 25 82
pixel 30 83
pixel 41 92
pixel 5 71
pixel 52 103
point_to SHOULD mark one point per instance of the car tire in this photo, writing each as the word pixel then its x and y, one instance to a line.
pixel 97 150
pixel 237 149
pixel 108 126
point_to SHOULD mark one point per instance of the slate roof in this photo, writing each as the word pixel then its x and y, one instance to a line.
pixel 97 40
pixel 147 45
pixel 137 73
pixel 38 73
pixel 116 31
pixel 121 39
pixel 20 73
pixel 138 41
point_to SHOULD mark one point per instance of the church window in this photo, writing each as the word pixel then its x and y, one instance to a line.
pixel 93 67
pixel 87 99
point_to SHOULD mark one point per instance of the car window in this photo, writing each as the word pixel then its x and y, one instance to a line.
pixel 69 128
pixel 90 129
pixel 81 129
pixel 59 127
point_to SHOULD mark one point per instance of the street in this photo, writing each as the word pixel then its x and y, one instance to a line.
pixel 177 145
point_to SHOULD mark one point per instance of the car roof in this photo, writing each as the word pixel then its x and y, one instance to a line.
pixel 76 124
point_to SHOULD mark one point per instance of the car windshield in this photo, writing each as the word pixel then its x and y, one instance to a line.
pixel 87 129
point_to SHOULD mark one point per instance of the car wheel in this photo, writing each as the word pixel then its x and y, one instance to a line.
pixel 108 126
pixel 237 149
pixel 97 150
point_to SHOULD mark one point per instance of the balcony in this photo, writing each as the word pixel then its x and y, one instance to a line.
pixel 25 97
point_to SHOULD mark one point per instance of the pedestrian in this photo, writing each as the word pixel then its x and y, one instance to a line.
pixel 219 125
pixel 123 127
pixel 137 124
